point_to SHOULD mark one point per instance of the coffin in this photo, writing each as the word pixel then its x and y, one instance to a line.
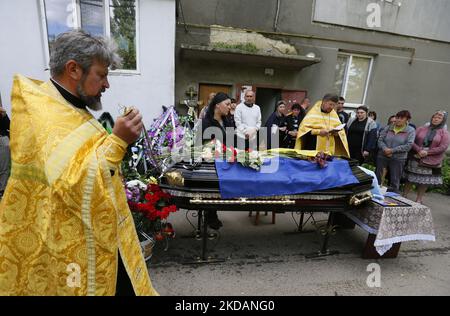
pixel 197 188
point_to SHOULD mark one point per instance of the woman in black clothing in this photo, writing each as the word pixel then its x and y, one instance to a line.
pixel 361 135
pixel 276 125
pixel 5 155
pixel 215 123
pixel 230 116
pixel 215 126
pixel 293 121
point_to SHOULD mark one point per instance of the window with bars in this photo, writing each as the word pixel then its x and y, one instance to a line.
pixel 111 18
pixel 352 77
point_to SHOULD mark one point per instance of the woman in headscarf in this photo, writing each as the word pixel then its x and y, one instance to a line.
pixel 276 125
pixel 427 154
pixel 230 116
pixel 215 122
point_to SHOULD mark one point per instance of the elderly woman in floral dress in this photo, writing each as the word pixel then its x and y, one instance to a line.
pixel 427 154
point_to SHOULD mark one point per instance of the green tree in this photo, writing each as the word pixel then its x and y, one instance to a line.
pixel 123 30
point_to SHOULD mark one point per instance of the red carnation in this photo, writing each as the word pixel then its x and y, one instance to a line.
pixel 233 150
pixel 132 205
pixel 159 236
pixel 153 188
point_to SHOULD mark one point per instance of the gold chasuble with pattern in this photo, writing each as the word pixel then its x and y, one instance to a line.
pixel 316 120
pixel 64 215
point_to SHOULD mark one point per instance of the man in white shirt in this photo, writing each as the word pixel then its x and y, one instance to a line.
pixel 248 120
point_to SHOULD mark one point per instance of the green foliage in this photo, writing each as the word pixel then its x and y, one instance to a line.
pixel 446 175
pixel 123 30
pixel 247 47
pixel 369 166
pixel 445 188
pixel 186 120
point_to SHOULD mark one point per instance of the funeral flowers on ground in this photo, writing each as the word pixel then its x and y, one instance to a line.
pixel 151 207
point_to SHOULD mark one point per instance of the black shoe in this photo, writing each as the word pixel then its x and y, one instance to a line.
pixel 215 223
pixel 393 190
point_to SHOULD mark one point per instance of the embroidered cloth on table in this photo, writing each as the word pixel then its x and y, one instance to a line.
pixel 394 224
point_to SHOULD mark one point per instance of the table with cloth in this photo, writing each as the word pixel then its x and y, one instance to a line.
pixel 388 226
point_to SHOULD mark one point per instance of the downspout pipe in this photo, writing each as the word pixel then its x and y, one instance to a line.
pixel 277 14
pixel 179 8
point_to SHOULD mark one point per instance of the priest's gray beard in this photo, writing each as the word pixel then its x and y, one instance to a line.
pixel 94 103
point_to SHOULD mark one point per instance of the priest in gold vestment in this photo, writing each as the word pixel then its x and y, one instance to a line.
pixel 65 226
pixel 318 129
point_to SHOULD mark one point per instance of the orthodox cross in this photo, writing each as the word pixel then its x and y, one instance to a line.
pixel 191 93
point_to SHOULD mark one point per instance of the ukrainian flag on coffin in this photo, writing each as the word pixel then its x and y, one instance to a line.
pixel 291 176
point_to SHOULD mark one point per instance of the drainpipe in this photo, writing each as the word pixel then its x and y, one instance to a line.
pixel 179 6
pixel 313 37
pixel 277 14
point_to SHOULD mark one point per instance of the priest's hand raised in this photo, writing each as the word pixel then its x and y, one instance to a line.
pixel 128 127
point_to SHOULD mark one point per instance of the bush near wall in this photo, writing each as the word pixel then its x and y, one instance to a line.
pixel 445 189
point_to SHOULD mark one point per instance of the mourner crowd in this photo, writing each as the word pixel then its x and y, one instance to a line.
pixel 65 167
pixel 400 151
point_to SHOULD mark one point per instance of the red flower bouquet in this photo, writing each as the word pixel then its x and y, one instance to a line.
pixel 152 211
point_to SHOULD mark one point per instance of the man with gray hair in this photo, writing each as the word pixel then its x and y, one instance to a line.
pixel 65 226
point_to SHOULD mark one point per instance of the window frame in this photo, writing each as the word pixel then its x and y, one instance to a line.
pixel 346 74
pixel 77 24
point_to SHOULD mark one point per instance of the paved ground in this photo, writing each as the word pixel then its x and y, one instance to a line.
pixel 262 260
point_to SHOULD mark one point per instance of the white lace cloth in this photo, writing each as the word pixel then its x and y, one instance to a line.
pixel 395 224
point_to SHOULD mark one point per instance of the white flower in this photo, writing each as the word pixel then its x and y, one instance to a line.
pixel 253 155
pixel 136 183
pixel 218 145
pixel 207 153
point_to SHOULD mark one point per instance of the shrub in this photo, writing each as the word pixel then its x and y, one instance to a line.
pixel 445 188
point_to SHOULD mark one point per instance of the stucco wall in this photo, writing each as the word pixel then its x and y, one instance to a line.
pixel 22 51
pixel 420 87
pixel 397 16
